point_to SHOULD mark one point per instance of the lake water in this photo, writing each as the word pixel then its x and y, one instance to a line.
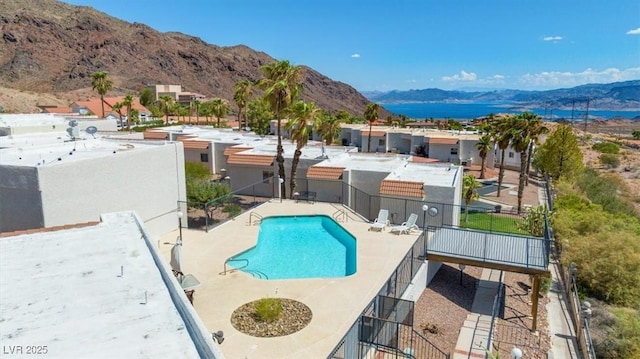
pixel 439 110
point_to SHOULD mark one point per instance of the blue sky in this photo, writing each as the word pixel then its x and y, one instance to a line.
pixel 384 45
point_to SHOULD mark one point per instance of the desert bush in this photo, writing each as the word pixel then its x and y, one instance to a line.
pixel 609 160
pixel 232 209
pixel 606 147
pixel 196 170
pixel 615 331
pixel 607 190
pixel 268 309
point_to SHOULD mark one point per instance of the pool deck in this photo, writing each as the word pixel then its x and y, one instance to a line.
pixel 335 302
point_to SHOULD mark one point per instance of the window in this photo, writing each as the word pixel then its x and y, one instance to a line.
pixel 381 142
pixel 454 150
pixel 204 157
pixel 266 176
pixel 510 154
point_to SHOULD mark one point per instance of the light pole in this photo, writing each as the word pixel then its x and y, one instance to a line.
pixel 425 208
pixel 280 182
pixel 180 214
pixel 462 267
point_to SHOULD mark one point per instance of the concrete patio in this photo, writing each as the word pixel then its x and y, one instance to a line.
pixel 335 302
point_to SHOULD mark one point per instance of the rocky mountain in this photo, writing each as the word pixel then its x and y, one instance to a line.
pixel 613 96
pixel 51 47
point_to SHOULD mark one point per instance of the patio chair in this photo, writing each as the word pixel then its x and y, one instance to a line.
pixel 188 282
pixel 408 226
pixel 381 222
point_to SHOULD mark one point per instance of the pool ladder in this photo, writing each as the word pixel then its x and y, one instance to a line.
pixel 230 259
pixel 258 218
pixel 340 214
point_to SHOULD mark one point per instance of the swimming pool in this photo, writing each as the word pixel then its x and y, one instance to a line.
pixel 291 247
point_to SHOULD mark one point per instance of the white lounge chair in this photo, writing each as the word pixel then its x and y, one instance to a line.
pixel 381 222
pixel 408 226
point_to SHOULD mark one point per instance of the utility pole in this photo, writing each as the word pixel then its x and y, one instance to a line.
pixel 586 117
pixel 573 107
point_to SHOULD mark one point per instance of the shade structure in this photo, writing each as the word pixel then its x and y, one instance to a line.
pixel 176 256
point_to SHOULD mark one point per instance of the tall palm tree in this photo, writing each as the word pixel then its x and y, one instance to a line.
pixel 166 106
pixel 371 115
pixel 196 104
pixel 469 186
pixel 220 108
pixel 484 146
pixel 522 132
pixel 241 97
pixel 328 126
pixel 128 103
pixel 101 82
pixel 502 133
pixel 536 130
pixel 281 85
pixel 302 116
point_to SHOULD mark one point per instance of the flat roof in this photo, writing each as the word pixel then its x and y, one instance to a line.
pixel 65 289
pixel 440 175
pixel 32 154
pixel 377 162
pixel 32 119
pixel 313 150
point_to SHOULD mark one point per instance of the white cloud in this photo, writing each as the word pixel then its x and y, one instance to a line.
pixel 552 38
pixel 355 56
pixel 411 81
pixel 462 76
pixel 634 32
pixel 556 79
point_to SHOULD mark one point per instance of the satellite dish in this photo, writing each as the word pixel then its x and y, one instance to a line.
pixel 73 123
pixel 91 130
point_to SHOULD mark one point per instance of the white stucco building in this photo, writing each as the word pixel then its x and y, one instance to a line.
pixel 47 180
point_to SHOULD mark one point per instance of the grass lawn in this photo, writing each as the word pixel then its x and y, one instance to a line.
pixel 492 222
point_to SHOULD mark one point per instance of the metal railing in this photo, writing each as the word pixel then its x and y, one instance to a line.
pixel 386 306
pixel 496 311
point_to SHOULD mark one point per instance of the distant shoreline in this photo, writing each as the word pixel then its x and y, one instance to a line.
pixel 467 110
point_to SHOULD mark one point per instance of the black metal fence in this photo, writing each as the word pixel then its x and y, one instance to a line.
pixel 386 324
pixel 497 311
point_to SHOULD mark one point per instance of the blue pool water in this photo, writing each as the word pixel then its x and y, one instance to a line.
pixel 291 247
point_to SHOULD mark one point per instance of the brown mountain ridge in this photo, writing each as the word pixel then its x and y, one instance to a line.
pixel 51 48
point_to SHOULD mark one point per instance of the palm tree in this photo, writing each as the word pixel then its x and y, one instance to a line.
pixel 241 97
pixel 501 132
pixel 521 131
pixel 219 108
pixel 484 146
pixel 101 82
pixel 281 85
pixel 166 106
pixel 117 107
pixel 536 130
pixel 469 193
pixel 328 126
pixel 128 103
pixel 197 104
pixel 302 116
pixel 371 115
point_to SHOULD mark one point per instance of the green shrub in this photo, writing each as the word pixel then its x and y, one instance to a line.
pixel 610 160
pixel 615 331
pixel 268 309
pixel 232 209
pixel 606 147
pixel 196 170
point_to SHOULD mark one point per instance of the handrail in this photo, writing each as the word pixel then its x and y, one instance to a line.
pixel 338 213
pixel 257 215
pixel 497 301
pixel 231 259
